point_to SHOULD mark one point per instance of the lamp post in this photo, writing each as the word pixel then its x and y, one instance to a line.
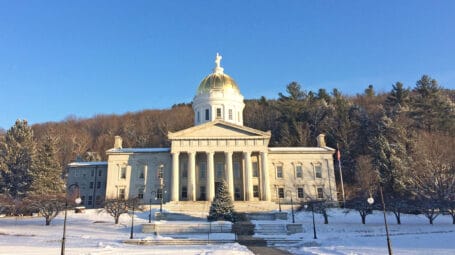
pixel 292 205
pixel 160 174
pixel 132 218
pixel 77 200
pixel 314 223
pixel 150 210
pixel 370 201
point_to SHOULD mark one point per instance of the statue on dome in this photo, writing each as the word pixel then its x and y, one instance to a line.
pixel 218 60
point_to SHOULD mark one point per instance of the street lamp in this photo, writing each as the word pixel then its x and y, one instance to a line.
pixel 133 202
pixel 370 201
pixel 292 206
pixel 77 200
pixel 160 174
pixel 150 210
pixel 314 224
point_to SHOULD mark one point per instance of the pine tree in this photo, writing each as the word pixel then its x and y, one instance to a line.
pixel 17 160
pixel 222 207
pixel 47 173
pixel 431 110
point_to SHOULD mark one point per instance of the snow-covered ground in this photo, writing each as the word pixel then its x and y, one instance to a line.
pixel 346 235
pixel 94 233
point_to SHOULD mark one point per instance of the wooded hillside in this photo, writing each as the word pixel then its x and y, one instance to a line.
pixel 393 135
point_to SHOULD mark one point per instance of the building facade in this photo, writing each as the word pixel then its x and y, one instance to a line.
pixel 218 148
pixel 91 178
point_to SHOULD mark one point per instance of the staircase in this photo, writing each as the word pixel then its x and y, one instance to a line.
pixel 270 229
pixel 201 208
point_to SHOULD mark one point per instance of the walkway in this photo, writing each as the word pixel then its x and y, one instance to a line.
pixel 264 250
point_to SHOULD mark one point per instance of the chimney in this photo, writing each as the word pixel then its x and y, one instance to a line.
pixel 321 140
pixel 118 142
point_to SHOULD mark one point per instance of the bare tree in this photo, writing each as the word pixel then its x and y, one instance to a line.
pixel 117 207
pixel 367 180
pixel 432 178
pixel 48 206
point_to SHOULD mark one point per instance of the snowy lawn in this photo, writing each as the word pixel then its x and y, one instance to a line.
pixel 346 235
pixel 94 233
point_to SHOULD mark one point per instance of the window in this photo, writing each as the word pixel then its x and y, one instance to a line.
pixel 198 117
pixel 320 193
pixel 202 170
pixel 82 200
pixel 218 113
pixel 159 193
pixel 255 191
pixel 91 185
pixel 318 170
pixel 92 172
pixel 160 173
pixel 237 193
pixel 141 173
pixel 121 193
pixel 184 192
pixel 99 172
pixel 98 200
pixel 140 193
pixel 98 185
pixel 90 200
pixel 236 170
pixel 298 171
pixel 184 170
pixel 202 193
pixel 300 192
pixel 219 170
pixel 230 114
pixel 281 192
pixel 255 169
pixel 279 172
pixel 207 114
pixel 123 172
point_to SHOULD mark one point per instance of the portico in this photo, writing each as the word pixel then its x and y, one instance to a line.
pixel 207 154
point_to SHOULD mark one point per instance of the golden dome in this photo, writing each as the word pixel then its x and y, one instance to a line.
pixel 217 82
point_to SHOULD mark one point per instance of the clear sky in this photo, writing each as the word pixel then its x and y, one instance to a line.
pixel 82 58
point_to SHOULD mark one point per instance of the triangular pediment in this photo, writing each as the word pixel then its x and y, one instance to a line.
pixel 218 129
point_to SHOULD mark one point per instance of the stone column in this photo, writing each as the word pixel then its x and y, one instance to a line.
pixel 229 173
pixel 265 178
pixel 248 176
pixel 192 176
pixel 175 177
pixel 210 176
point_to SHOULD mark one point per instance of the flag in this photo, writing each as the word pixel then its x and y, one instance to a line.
pixel 338 153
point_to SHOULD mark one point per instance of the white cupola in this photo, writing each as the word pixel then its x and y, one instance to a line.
pixel 218 98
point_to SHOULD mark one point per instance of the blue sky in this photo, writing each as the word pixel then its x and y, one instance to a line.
pixel 82 58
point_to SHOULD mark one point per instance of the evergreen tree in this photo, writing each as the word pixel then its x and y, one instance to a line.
pixel 431 110
pixel 222 207
pixel 17 160
pixel 397 100
pixel 47 173
pixel 392 161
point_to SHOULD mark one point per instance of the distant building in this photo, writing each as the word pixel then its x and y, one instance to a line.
pixel 218 148
pixel 91 178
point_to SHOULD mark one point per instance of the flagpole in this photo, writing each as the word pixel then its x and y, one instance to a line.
pixel 341 175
